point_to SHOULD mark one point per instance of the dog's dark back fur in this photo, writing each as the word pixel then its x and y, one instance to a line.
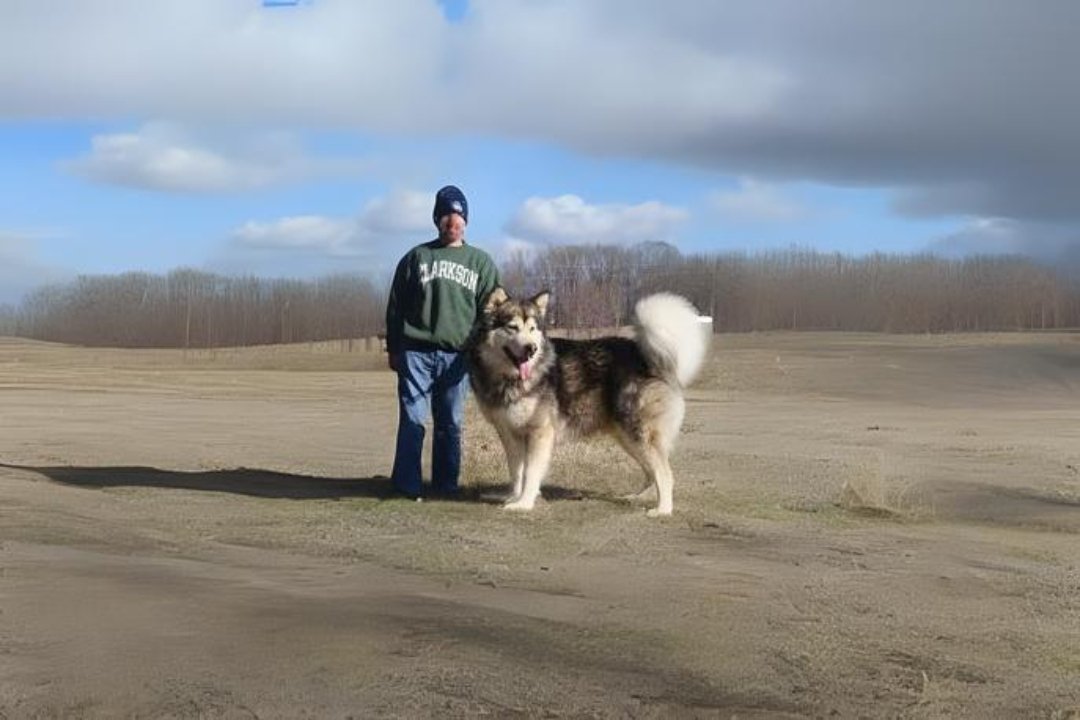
pixel 613 368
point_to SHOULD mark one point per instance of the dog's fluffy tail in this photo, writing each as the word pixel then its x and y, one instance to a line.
pixel 671 335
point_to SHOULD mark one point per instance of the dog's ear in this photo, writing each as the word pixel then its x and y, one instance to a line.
pixel 496 298
pixel 541 302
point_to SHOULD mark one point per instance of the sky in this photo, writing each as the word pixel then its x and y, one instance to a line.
pixel 309 139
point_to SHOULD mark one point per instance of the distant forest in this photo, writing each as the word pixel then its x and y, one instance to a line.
pixel 592 287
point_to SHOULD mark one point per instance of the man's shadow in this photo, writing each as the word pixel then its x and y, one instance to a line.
pixel 238 481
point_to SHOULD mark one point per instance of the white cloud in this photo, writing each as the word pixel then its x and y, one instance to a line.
pixel 401 214
pixel 165 157
pixel 321 235
pixel 755 201
pixel 389 225
pixel 402 211
pixel 374 239
pixel 568 219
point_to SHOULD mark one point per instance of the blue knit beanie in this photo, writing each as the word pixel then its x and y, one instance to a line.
pixel 448 200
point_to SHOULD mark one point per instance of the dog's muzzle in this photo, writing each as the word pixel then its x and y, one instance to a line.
pixel 522 359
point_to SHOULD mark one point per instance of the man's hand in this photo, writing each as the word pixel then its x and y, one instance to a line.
pixel 393 360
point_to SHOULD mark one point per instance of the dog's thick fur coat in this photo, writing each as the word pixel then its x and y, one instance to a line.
pixel 535 389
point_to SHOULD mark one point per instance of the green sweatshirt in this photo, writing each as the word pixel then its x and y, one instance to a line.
pixel 437 295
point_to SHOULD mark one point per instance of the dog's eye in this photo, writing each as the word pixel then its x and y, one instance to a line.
pixel 513 327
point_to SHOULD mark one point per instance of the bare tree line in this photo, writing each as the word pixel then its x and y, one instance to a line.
pixel 892 293
pixel 804 289
pixel 193 309
pixel 592 286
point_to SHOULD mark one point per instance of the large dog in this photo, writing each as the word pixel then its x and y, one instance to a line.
pixel 534 388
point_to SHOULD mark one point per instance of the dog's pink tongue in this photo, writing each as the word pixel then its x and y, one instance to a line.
pixel 524 370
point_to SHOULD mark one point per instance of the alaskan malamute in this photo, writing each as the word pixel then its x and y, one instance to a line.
pixel 535 389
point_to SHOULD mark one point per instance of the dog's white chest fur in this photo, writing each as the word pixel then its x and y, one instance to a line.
pixel 519 415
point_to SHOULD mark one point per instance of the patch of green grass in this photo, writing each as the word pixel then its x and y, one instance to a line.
pixel 1038 555
pixel 828 514
pixel 1066 660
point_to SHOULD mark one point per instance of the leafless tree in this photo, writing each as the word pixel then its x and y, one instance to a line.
pixel 8 320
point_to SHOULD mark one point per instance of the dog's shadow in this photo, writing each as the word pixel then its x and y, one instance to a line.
pixel 496 493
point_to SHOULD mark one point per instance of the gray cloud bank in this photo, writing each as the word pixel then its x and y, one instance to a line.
pixel 961 108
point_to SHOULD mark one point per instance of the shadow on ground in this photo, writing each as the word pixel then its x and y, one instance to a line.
pixel 239 481
pixel 255 482
pixel 1018 507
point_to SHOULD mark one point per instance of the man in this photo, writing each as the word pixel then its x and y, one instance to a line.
pixel 438 292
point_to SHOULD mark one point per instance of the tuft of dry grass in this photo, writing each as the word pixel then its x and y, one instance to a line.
pixel 865 496
pixel 874 488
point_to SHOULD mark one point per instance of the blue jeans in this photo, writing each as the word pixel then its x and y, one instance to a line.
pixel 435 381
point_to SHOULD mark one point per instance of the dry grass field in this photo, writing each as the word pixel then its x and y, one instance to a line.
pixel 865 526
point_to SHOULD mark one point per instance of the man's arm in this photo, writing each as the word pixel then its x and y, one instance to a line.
pixel 395 312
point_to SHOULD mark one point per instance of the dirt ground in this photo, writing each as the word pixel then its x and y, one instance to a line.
pixel 865 526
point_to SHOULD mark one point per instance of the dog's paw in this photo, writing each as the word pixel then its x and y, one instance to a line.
pixel 657 512
pixel 519 505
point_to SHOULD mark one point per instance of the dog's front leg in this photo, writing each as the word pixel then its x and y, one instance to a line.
pixel 538 447
pixel 515 462
pixel 514 449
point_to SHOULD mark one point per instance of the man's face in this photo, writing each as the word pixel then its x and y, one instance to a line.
pixel 452 229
